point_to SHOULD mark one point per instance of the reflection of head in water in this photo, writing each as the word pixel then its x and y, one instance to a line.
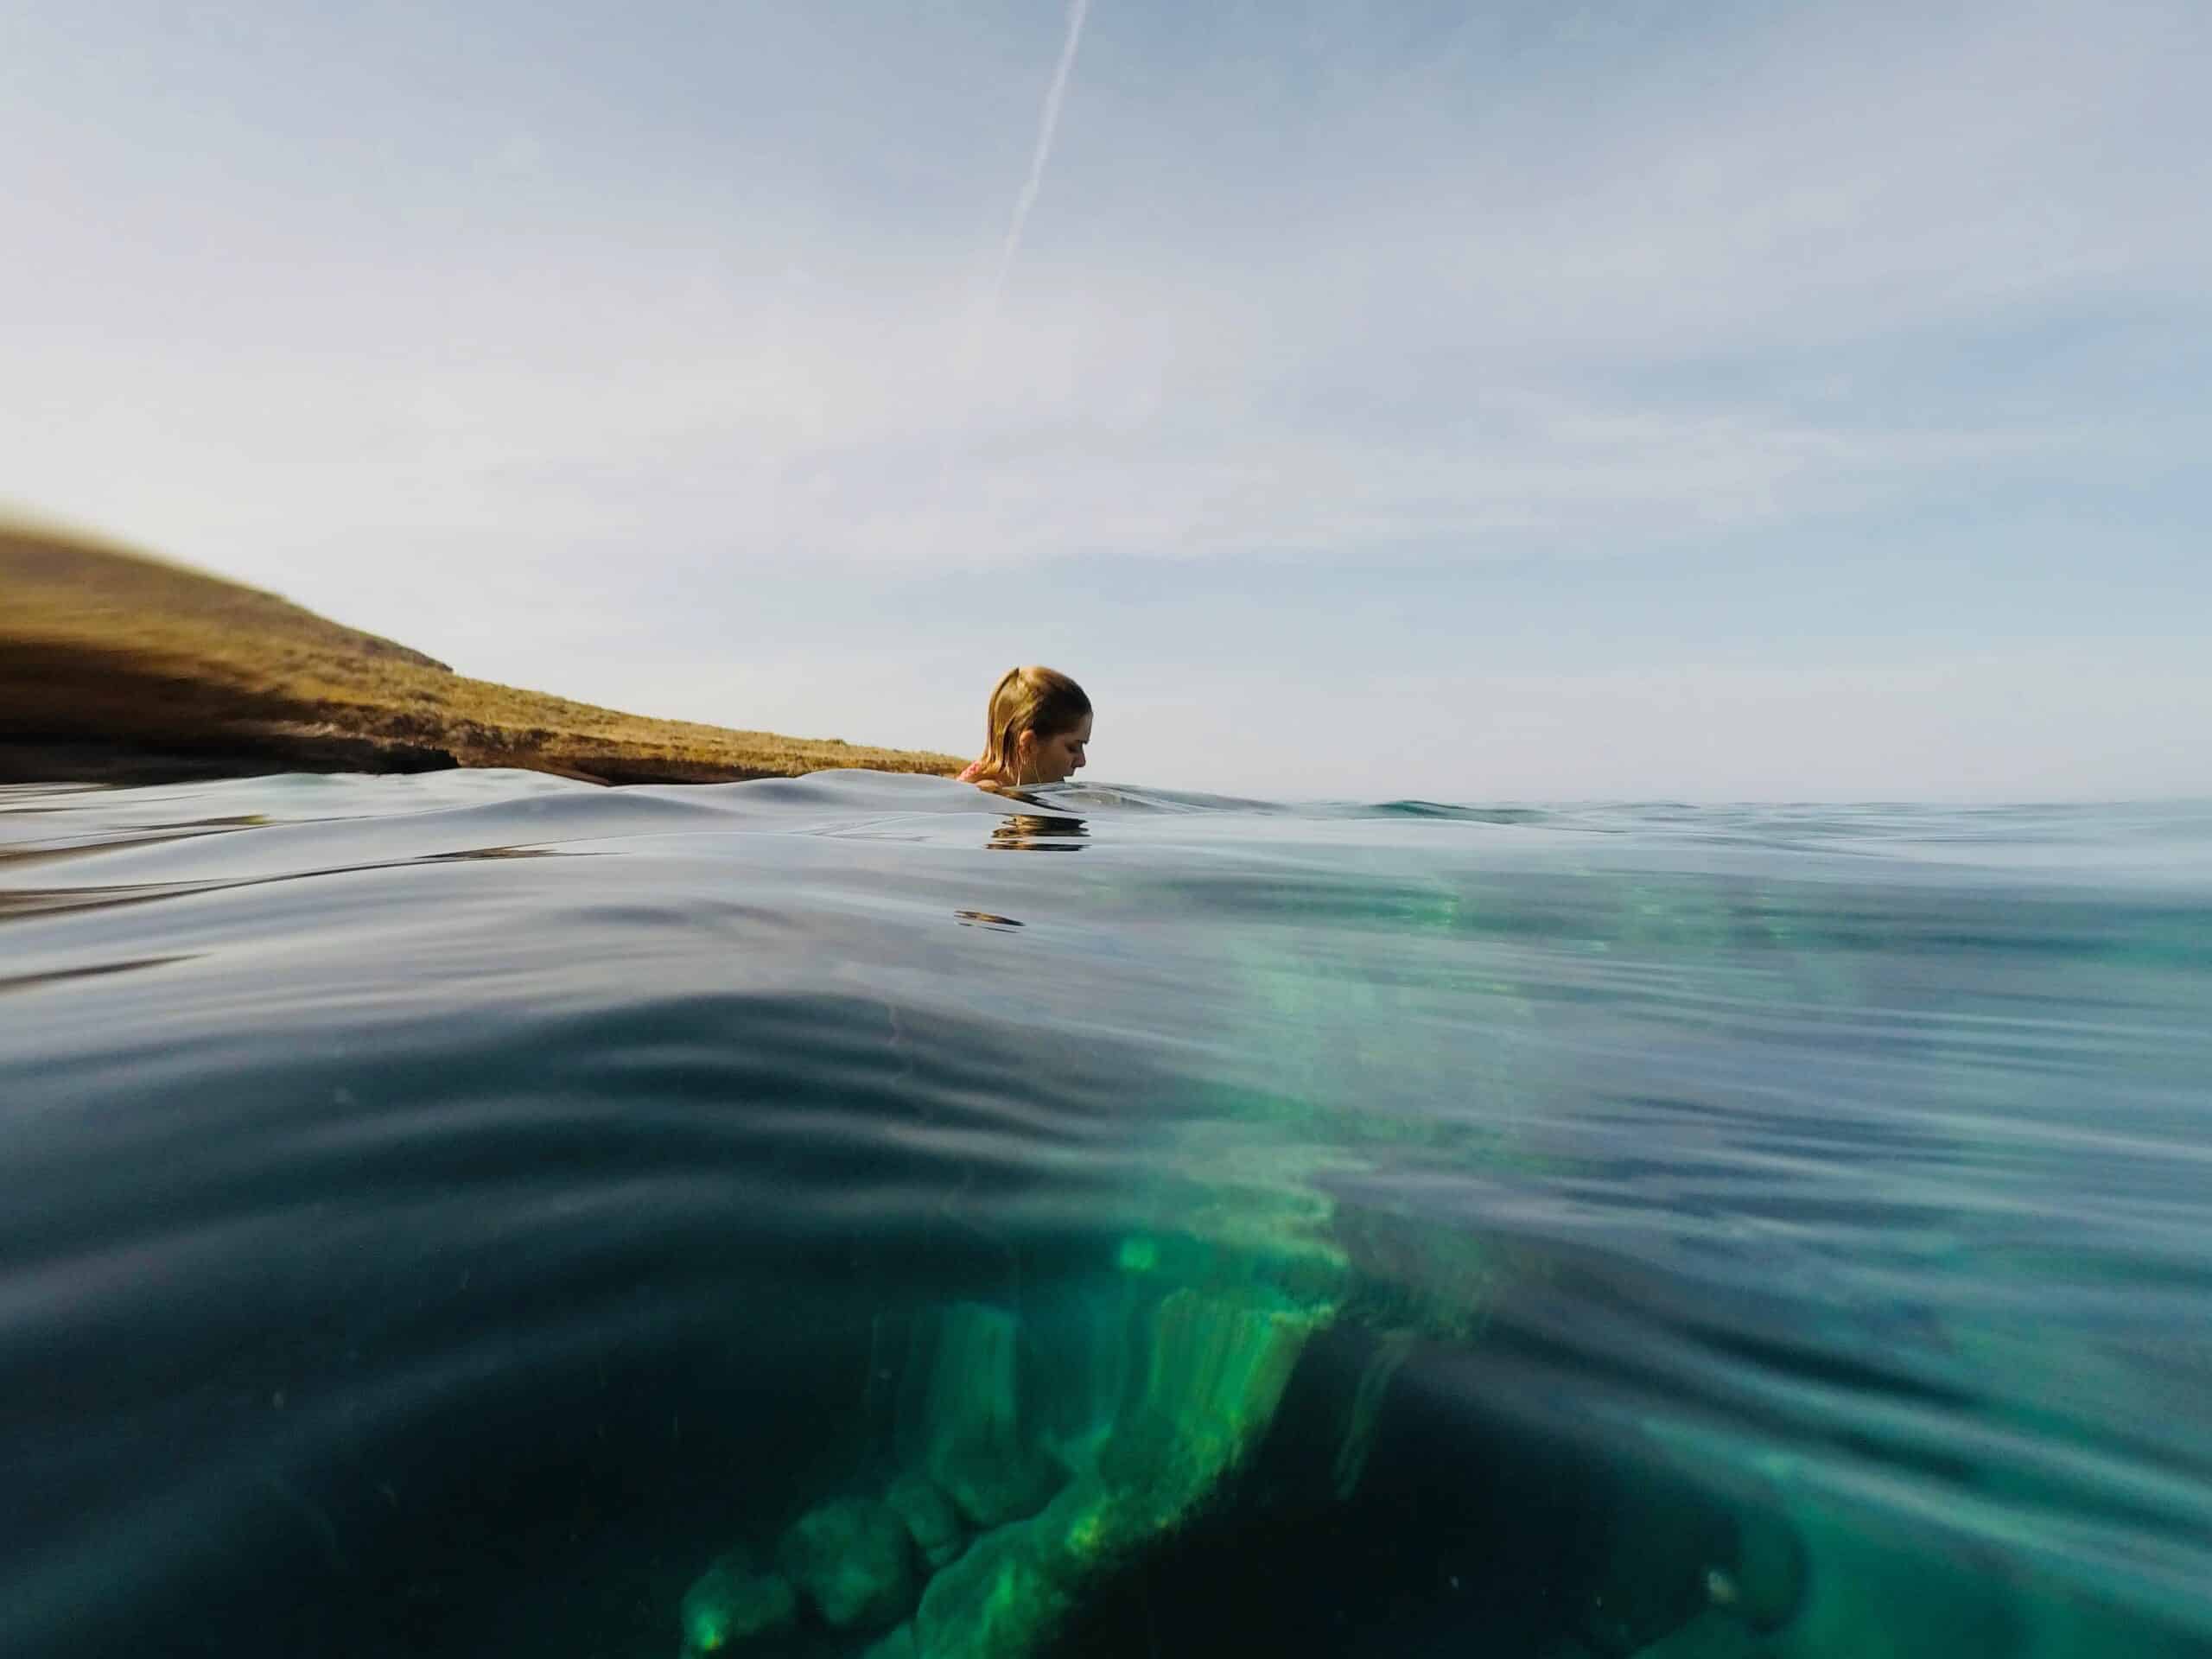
pixel 1035 731
pixel 1030 832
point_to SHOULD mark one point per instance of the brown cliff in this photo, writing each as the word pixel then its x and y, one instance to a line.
pixel 118 668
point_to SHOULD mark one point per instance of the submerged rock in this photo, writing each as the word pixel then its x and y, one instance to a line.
pixel 1202 1375
pixel 992 1484
pixel 967 1364
pixel 971 1435
pixel 853 1560
pixel 930 1519
pixel 1375 1379
pixel 734 1601
pixel 1001 1601
pixel 1074 1440
pixel 1214 1371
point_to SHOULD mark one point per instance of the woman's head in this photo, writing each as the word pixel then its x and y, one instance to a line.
pixel 1037 728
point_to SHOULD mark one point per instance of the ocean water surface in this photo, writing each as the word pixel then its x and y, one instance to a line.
pixel 482 1213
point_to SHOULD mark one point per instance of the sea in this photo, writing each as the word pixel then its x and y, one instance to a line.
pixel 482 1213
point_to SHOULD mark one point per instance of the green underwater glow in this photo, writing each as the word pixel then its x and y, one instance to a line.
pixel 1036 1457
pixel 1070 1436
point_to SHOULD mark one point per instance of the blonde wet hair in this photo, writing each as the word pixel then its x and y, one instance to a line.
pixel 1030 699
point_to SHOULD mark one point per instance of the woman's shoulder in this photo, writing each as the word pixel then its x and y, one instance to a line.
pixel 984 778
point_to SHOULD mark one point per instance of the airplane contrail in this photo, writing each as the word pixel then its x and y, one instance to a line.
pixel 980 315
pixel 1047 124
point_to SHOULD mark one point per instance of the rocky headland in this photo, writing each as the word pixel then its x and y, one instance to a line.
pixel 117 667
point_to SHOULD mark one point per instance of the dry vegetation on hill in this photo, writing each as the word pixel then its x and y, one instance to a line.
pixel 120 668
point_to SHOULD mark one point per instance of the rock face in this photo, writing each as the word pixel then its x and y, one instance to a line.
pixel 1001 1601
pixel 853 1561
pixel 732 1601
pixel 993 1484
pixel 1066 1440
pixel 119 669
pixel 971 1437
pixel 932 1520
pixel 1200 1375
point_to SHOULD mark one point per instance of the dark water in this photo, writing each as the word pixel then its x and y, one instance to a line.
pixel 444 1216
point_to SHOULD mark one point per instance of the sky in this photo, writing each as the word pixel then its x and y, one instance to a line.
pixel 1644 400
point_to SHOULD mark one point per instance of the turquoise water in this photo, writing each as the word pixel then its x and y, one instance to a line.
pixel 482 1213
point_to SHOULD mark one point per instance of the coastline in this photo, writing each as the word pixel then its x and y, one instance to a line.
pixel 120 668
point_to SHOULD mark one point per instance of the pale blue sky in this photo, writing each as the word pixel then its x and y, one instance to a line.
pixel 1522 401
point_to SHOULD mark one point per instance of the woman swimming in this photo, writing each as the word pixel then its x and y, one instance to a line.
pixel 1035 732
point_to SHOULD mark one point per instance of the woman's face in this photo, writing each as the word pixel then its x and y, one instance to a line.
pixel 1054 759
